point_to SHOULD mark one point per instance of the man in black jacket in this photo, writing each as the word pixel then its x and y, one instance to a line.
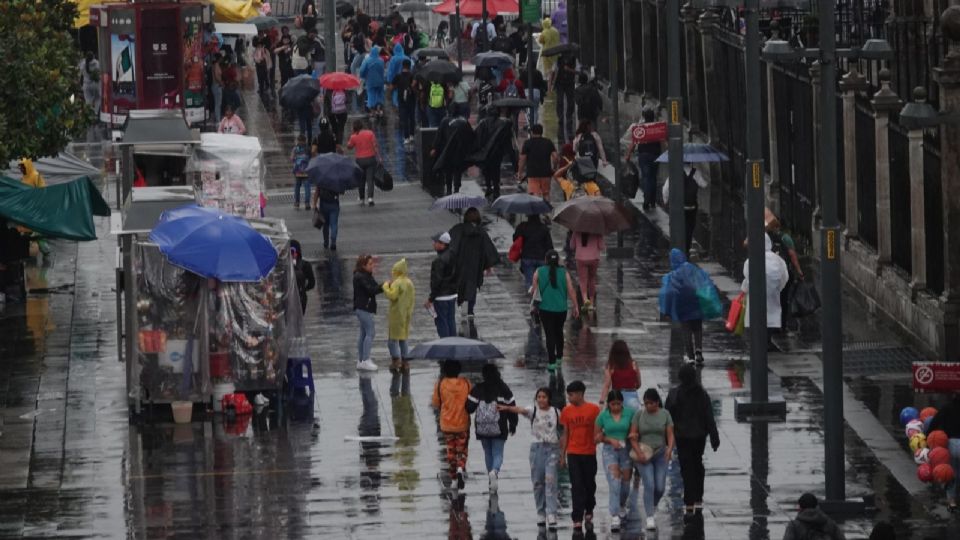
pixel 443 288
pixel 589 101
pixel 811 522
pixel 693 421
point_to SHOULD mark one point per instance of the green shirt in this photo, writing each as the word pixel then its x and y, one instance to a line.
pixel 653 427
pixel 552 298
pixel 614 429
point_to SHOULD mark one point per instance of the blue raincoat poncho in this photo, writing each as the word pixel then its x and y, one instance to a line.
pixel 372 73
pixel 396 66
pixel 687 292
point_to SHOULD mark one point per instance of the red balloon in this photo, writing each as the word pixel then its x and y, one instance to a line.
pixel 937 439
pixel 943 473
pixel 939 456
pixel 927 412
pixel 925 473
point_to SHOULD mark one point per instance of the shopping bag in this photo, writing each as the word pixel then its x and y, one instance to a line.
pixel 515 249
pixel 709 299
pixel 382 178
pixel 742 320
pixel 804 299
pixel 317 219
pixel 736 309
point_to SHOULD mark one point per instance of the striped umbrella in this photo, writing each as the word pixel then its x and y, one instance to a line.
pixel 458 201
pixel 697 153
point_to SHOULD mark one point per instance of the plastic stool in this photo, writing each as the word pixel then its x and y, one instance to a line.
pixel 300 378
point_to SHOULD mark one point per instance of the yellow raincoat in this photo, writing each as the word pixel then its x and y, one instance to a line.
pixel 549 37
pixel 31 177
pixel 401 292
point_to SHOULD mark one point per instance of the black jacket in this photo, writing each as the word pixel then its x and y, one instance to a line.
pixel 948 419
pixel 472 252
pixel 365 291
pixel 692 414
pixel 494 391
pixel 589 102
pixel 443 275
pixel 536 240
pixel 812 523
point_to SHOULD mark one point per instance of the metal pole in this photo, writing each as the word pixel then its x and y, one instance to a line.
pixel 754 190
pixel 459 31
pixel 330 6
pixel 830 322
pixel 483 26
pixel 614 98
pixel 674 126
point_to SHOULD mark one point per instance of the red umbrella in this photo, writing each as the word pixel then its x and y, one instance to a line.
pixel 474 8
pixel 339 80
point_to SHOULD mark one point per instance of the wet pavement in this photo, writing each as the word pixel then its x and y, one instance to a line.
pixel 369 464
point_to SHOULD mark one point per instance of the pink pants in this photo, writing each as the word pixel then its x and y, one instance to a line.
pixel 587 274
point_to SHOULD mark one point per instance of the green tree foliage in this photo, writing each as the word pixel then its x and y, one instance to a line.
pixel 39 75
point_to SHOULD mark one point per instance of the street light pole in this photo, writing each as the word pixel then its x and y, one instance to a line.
pixel 330 6
pixel 459 31
pixel 612 22
pixel 674 127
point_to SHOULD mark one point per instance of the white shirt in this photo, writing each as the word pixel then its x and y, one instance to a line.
pixel 491 30
pixel 543 424
pixel 686 170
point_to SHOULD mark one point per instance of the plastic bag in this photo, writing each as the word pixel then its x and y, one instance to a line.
pixel 709 298
pixel 515 249
pixel 382 178
pixel 736 312
pixel 804 299
pixel 630 181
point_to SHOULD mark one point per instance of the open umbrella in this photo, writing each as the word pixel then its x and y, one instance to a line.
pixel 474 8
pixel 697 153
pixel 334 172
pixel 456 348
pixel 512 103
pixel 595 215
pixel 521 203
pixel 413 7
pixel 339 80
pixel 440 71
pixel 458 201
pixel 429 52
pixel 493 59
pixel 264 22
pixel 344 9
pixel 299 91
pixel 561 49
pixel 212 244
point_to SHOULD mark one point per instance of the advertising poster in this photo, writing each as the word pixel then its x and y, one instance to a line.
pixel 193 92
pixel 161 60
pixel 123 62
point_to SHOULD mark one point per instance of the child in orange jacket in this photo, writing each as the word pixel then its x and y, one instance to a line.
pixel 450 396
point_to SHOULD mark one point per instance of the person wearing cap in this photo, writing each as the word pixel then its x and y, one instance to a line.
pixel 811 522
pixel 442 302
pixel 578 451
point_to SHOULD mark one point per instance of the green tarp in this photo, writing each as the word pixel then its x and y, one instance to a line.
pixel 60 211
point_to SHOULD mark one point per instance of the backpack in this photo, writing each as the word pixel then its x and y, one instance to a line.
pixel 436 96
pixel 300 159
pixel 338 102
pixel 487 418
pixel 423 40
pixel 690 190
pixel 587 147
pixel 511 90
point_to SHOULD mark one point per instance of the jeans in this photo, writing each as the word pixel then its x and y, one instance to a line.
pixel 533 115
pixel 528 267
pixel 398 348
pixel 368 165
pixel 331 217
pixel 647 163
pixel 565 107
pixel 693 337
pixel 583 484
pixel 543 474
pixel 654 476
pixel 953 488
pixel 435 116
pixel 305 116
pixel 631 399
pixel 217 102
pixel 587 275
pixel 302 181
pixel 446 320
pixel 493 453
pixel 263 74
pixel 690 457
pixel 619 459
pixel 552 323
pixel 367 332
pixel 407 119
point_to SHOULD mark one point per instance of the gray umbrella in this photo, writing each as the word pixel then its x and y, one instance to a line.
pixel 522 203
pixel 299 91
pixel 494 59
pixel 430 52
pixel 263 22
pixel 458 201
pixel 512 103
pixel 456 348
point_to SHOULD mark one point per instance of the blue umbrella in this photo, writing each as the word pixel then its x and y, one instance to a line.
pixel 210 243
pixel 522 203
pixel 334 172
pixel 456 348
pixel 697 153
pixel 458 201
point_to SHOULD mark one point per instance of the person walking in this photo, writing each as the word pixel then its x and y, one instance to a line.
pixel 777 277
pixel 461 99
pixel 536 243
pixel 588 99
pixel 394 67
pixel 613 427
pixel 811 522
pixel 450 396
pixel 491 425
pixel 544 454
pixel 365 290
pixel 335 102
pixel 537 87
pixel 328 204
pixel 474 255
pixel 555 288
pixel 578 452
pixel 549 37
pixel 231 123
pixel 538 156
pixel 453 142
pixel 494 138
pixel 562 79
pixel 366 151
pixel 303 271
pixel 693 182
pixel 786 248
pixel 622 374
pixel 587 249
pixel 437 101
pixel 442 303
pixel 325 141
pixel 400 291
pixel 90 81
pixel 647 154
pixel 947 419
pixel 651 437
pixel 406 97
pixel 690 407
pixel 372 71
pixel 300 157
pixel 681 300
pixel 216 86
pixel 284 52
pixel 263 63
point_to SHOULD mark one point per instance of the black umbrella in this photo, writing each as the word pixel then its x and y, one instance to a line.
pixel 344 9
pixel 560 49
pixel 299 91
pixel 334 172
pixel 456 348
pixel 413 7
pixel 430 52
pixel 440 71
pixel 494 59
pixel 263 22
pixel 512 103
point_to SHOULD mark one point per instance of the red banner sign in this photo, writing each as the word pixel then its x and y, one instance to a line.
pixel 648 133
pixel 936 377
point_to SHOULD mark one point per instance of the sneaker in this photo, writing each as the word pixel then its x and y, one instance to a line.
pixel 623 513
pixel 552 366
pixel 370 201
pixel 699 357
pixel 460 482
pixel 552 522
pixel 651 524
pixel 493 481
pixel 541 520
pixel 367 365
pixel 614 524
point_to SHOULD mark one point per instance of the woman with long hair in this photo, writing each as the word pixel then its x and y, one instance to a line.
pixel 651 437
pixel 613 426
pixel 365 290
pixel 450 398
pixel 622 373
pixel 491 424
pixel 367 153
pixel 553 285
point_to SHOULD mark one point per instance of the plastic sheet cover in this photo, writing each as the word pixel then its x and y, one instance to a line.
pixel 229 173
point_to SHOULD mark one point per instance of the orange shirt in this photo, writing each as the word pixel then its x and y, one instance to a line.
pixel 450 396
pixel 364 143
pixel 578 421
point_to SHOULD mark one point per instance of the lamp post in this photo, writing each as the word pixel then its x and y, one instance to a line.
pixel 674 127
pixel 459 32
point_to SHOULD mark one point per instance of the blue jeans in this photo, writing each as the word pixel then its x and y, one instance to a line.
pixel 367 332
pixel 446 320
pixel 654 476
pixel 398 348
pixel 305 183
pixel 528 267
pixel 305 117
pixel 631 400
pixel 647 164
pixel 407 119
pixel 493 453
pixel 331 217
pixel 533 114
pixel 543 473
pixel 435 116
pixel 618 458
pixel 953 488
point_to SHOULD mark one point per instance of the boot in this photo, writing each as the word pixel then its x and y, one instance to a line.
pixel 394 365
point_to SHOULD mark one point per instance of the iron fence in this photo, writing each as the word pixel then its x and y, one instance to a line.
pixel 900 198
pixel 793 97
pixel 933 216
pixel 866 175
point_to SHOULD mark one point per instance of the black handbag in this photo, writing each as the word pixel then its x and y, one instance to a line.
pixel 318 220
pixel 382 178
pixel 630 181
pixel 804 299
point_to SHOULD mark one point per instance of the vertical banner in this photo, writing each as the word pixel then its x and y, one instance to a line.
pixel 123 62
pixel 191 18
pixel 161 60
pixel 530 11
